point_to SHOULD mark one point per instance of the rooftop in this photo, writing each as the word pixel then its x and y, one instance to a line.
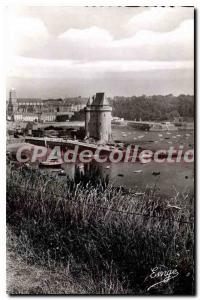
pixel 100 100
pixel 29 100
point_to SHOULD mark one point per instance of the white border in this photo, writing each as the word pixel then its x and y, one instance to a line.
pixel 195 3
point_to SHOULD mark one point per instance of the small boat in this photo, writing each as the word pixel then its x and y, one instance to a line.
pixel 164 126
pixel 137 171
pixel 62 173
pixel 120 175
pixel 154 173
pixel 53 163
pixel 107 167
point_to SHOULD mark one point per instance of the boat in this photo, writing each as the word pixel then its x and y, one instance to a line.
pixel 107 167
pixel 143 162
pixel 62 173
pixel 137 171
pixel 120 175
pixel 164 126
pixel 155 173
pixel 53 163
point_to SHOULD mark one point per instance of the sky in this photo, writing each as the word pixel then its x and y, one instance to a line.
pixel 78 51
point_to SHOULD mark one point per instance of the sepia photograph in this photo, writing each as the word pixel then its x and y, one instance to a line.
pixel 100 138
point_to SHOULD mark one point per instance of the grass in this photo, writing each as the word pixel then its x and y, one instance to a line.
pixel 23 278
pixel 60 225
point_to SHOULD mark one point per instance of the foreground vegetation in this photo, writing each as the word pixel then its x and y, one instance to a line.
pixel 80 230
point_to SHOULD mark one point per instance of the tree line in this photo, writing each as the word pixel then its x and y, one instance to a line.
pixel 153 108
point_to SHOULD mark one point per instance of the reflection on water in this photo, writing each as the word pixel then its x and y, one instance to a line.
pixel 86 173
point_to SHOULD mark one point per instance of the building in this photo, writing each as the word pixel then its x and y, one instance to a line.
pixel 12 104
pixel 29 105
pixel 39 110
pixel 98 118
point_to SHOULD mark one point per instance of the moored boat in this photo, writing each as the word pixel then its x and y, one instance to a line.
pixel 53 163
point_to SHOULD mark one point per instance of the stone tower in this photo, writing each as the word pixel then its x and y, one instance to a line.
pixel 12 103
pixel 98 118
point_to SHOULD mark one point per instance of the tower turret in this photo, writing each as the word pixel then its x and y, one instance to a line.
pixel 98 118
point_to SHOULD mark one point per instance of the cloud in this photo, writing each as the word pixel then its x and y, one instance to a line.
pixel 42 68
pixel 98 44
pixel 92 36
pixel 24 34
pixel 30 37
pixel 184 32
pixel 27 26
pixel 159 19
pixel 60 19
pixel 101 43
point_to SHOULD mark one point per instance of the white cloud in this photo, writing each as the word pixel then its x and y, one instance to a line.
pixel 24 34
pixel 151 41
pixel 27 26
pixel 98 44
pixel 159 19
pixel 184 32
pixel 92 36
